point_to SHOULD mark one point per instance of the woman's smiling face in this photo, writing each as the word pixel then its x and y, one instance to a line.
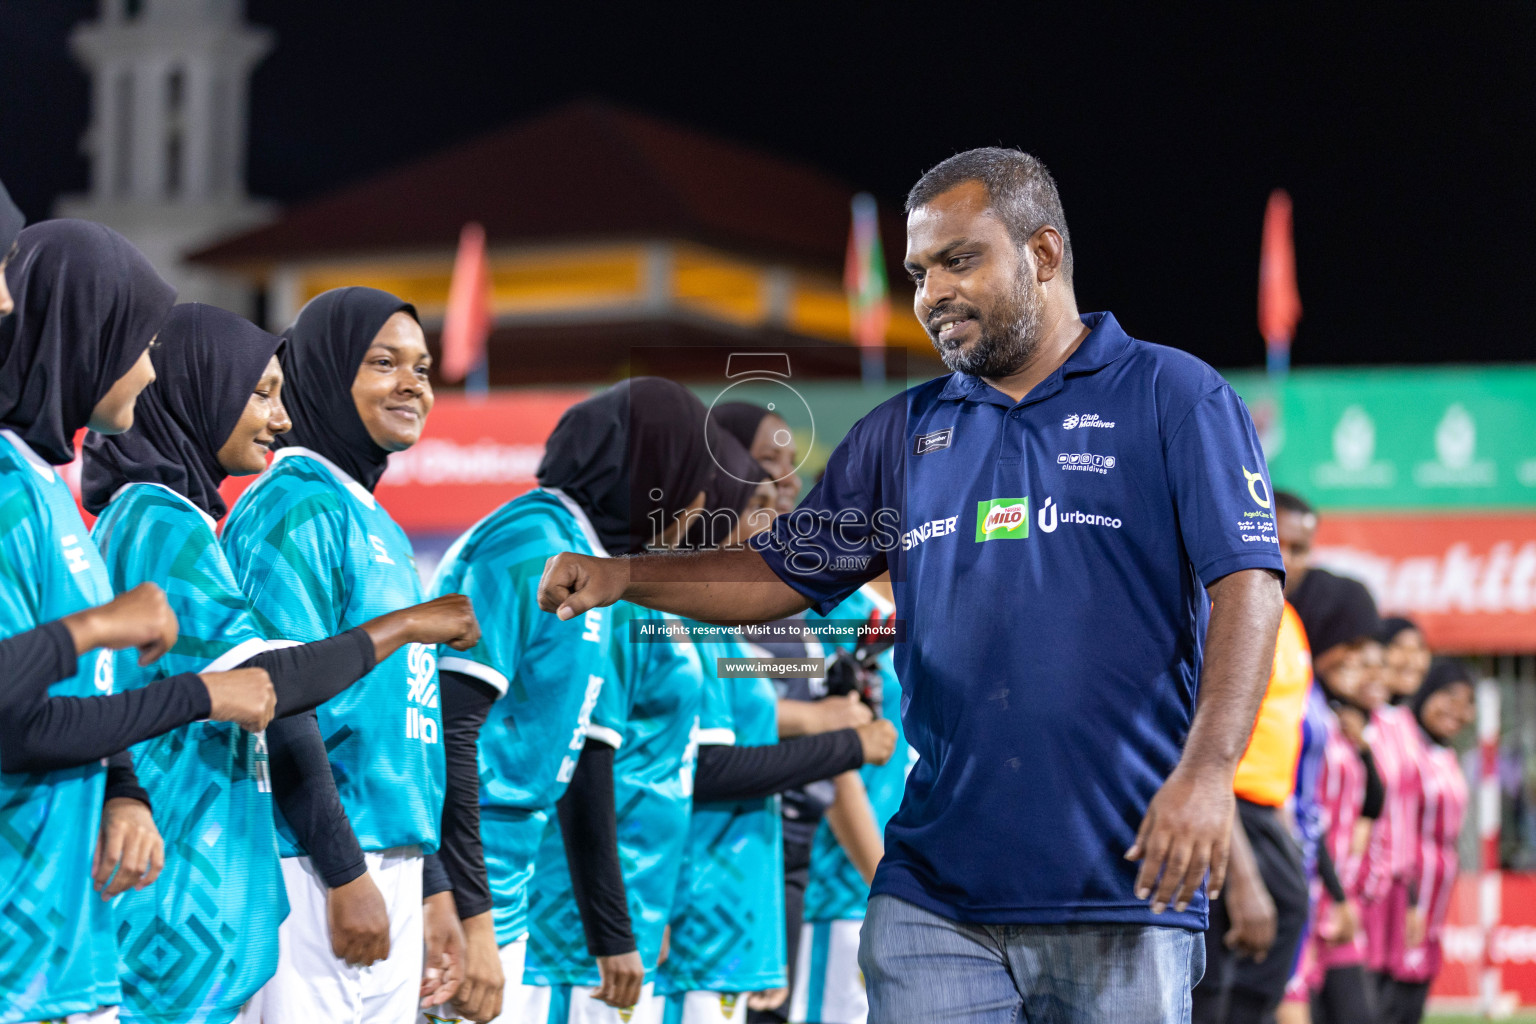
pixel 392 389
pixel 245 451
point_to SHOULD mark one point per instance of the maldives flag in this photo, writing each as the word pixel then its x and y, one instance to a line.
pixel 467 322
pixel 1279 301
pixel 869 307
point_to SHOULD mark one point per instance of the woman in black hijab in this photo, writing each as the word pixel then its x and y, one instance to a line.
pixel 316 552
pixel 766 435
pixel 214 410
pixel 76 349
pixel 11 222
pixel 633 458
pixel 353 413
pixel 74 352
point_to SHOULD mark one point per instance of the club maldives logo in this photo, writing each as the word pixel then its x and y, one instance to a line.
pixel 1087 419
pixel 1002 519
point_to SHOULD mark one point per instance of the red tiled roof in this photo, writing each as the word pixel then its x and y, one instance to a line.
pixel 585 171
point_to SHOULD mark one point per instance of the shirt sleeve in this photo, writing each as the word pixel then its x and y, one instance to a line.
pixel 841 536
pixel 630 664
pixel 503 596
pixel 178 550
pixel 717 726
pixel 1220 489
pixel 21 571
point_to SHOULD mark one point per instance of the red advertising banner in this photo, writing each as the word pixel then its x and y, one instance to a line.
pixel 1511 947
pixel 1468 580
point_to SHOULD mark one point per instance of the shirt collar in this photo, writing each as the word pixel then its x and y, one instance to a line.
pixel 212 523
pixel 1105 343
pixel 359 492
pixel 36 461
pixel 582 521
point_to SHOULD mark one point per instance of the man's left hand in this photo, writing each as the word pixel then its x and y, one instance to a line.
pixel 1186 832
pixel 128 844
pixel 443 965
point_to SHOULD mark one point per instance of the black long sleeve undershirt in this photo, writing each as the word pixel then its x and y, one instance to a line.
pixel 123 781
pixel 304 677
pixel 307 675
pixel 434 877
pixel 305 791
pixel 1375 791
pixel 748 773
pixel 39 733
pixel 590 832
pixel 466 704
pixel 1328 874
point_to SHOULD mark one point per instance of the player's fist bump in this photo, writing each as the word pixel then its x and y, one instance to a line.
pixel 243 696
pixel 878 739
pixel 574 584
pixel 140 618
pixel 449 619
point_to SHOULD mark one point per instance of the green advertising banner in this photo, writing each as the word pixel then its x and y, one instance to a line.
pixel 1393 439
pixel 1400 439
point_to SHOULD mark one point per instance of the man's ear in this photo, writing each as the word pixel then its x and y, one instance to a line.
pixel 1048 249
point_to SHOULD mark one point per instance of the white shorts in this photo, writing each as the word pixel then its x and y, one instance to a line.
pixel 520 1004
pixel 829 987
pixel 313 984
pixel 704 1007
pixel 573 1004
pixel 100 1015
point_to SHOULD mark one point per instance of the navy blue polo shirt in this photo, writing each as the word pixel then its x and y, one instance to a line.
pixel 1050 559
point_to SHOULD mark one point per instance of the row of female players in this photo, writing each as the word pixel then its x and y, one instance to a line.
pixel 1381 792
pixel 287 812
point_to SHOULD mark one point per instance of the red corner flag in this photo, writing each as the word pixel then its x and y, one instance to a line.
pixel 467 322
pixel 1279 301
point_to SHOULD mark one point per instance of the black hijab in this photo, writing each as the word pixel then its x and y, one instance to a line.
pixel 733 479
pixel 626 455
pixel 1443 673
pixel 1392 628
pixel 740 420
pixel 207 363
pixel 1335 610
pixel 87 306
pixel 325 346
pixel 11 221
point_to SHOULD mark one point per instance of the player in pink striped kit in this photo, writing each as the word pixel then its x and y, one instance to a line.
pixel 1341 621
pixel 1391 861
pixel 1337 948
pixel 1442 707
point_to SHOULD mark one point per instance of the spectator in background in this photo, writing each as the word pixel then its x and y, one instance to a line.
pixel 1341 621
pixel 1442 707
pixel 1295 526
pixel 1407 658
pixel 1262 912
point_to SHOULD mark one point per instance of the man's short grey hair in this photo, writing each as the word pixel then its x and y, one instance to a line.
pixel 1019 190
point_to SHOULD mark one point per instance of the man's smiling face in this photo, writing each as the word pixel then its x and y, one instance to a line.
pixel 977 295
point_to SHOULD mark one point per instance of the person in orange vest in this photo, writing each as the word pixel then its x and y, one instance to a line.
pixel 1257 923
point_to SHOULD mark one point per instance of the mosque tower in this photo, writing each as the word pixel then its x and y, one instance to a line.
pixel 167 138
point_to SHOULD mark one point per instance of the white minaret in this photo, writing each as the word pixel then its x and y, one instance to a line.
pixel 169 80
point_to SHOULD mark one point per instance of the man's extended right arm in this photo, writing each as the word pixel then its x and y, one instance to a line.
pixel 724 587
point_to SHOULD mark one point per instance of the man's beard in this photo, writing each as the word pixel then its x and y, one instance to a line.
pixel 1010 334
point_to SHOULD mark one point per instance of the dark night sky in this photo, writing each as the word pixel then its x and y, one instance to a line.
pixel 1403 132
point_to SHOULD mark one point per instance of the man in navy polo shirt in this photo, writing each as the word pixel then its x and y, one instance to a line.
pixel 1080 532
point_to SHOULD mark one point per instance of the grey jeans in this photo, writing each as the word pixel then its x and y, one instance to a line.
pixel 920 968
